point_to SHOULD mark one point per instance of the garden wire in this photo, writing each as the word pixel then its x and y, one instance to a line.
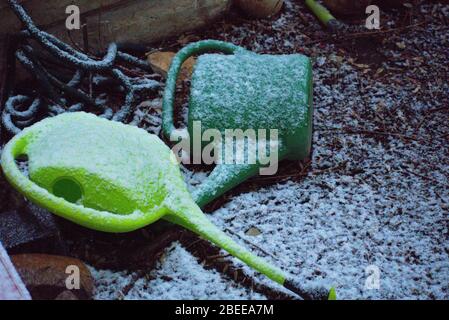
pixel 56 95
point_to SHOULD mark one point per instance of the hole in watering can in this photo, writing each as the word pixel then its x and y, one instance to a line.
pixel 22 163
pixel 22 158
pixel 68 189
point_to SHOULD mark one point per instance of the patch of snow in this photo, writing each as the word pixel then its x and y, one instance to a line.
pixel 178 276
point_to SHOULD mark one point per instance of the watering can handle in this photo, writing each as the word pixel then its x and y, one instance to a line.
pixel 87 217
pixel 196 48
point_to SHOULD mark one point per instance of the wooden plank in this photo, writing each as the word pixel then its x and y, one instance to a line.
pixel 46 13
pixel 149 21
pixel 142 21
pixel 11 286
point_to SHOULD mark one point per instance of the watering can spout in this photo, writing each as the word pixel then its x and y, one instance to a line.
pixel 190 216
pixel 225 177
pixel 222 179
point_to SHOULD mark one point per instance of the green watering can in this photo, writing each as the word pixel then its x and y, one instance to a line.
pixel 243 90
pixel 113 177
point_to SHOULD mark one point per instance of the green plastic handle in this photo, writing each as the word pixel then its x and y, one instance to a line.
pixel 196 48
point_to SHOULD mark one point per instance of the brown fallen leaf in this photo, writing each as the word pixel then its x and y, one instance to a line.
pixel 161 61
pixel 400 45
pixel 347 7
pixel 66 295
pixel 260 8
pixel 45 276
pixel 253 231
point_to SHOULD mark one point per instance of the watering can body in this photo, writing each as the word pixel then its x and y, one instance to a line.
pixel 244 90
pixel 101 174
pixel 106 168
pixel 252 91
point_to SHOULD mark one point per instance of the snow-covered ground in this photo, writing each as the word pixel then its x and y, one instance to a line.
pixel 179 276
pixel 375 201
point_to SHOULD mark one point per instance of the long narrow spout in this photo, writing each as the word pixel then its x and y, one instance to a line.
pixel 191 217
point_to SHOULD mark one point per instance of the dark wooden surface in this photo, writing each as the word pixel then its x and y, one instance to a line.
pixel 138 21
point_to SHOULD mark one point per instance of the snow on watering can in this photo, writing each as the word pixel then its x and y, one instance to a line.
pixel 243 90
pixel 113 177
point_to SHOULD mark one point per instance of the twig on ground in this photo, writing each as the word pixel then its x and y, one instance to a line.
pixel 251 244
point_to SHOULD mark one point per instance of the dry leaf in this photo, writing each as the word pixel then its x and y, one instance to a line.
pixel 161 61
pixel 45 275
pixel 253 232
pixel 400 45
